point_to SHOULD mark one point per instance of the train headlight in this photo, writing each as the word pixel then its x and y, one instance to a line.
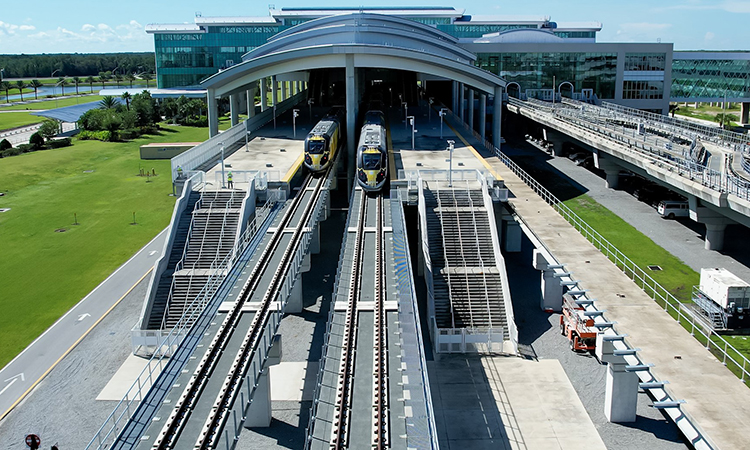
pixel 362 176
pixel 380 177
pixel 308 159
pixel 324 159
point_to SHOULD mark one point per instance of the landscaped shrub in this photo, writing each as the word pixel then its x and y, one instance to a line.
pixel 37 140
pixel 201 121
pixel 26 148
pixel 5 145
pixel 130 133
pixel 10 152
pixel 58 143
pixel 94 135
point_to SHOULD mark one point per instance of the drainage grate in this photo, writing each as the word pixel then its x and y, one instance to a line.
pixel 654 267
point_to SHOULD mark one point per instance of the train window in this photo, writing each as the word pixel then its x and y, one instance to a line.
pixel 371 161
pixel 316 147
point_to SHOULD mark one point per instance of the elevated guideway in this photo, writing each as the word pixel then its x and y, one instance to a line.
pixel 469 300
pixel 372 390
pixel 664 150
pixel 227 379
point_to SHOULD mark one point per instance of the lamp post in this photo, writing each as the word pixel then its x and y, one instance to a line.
pixel 554 90
pixel 410 119
pixel 406 111
pixel 295 113
pixel 429 109
pixel 451 143
pixel 247 138
pixel 309 105
pixel 443 112
pixel 53 73
pixel 274 117
pixel 223 184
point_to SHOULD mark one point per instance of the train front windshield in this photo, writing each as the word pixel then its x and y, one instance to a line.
pixel 316 147
pixel 371 161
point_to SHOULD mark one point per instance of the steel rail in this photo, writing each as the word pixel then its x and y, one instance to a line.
pixel 345 384
pixel 380 355
pixel 174 426
pixel 211 432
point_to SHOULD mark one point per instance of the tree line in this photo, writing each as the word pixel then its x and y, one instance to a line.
pixel 75 64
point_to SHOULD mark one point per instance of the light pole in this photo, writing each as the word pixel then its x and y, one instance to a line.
pixel 443 112
pixel 309 105
pixel 451 143
pixel 406 111
pixel 410 119
pixel 429 110
pixel 274 117
pixel 53 73
pixel 223 184
pixel 295 113
pixel 247 138
pixel 554 82
pixel 723 105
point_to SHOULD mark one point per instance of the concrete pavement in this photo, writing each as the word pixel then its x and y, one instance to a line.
pixel 27 369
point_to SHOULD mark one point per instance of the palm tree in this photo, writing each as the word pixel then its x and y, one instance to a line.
pixel 126 97
pixel 117 78
pixel 6 86
pixel 62 84
pixel 20 85
pixel 76 80
pixel 108 102
pixel 130 77
pixel 147 77
pixel 90 80
pixel 36 84
pixel 102 79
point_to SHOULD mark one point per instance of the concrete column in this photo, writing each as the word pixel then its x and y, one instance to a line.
pixel 461 106
pixel 483 115
pixel 552 292
pixel 611 170
pixel 351 117
pixel 284 95
pixel 274 91
pixel 511 234
pixel 259 412
pixel 454 97
pixel 234 108
pixel 294 304
pixel 213 113
pixel 251 100
pixel 263 94
pixel 293 88
pixel 715 235
pixel 497 117
pixel 745 113
pixel 314 248
pixel 620 394
pixel 470 109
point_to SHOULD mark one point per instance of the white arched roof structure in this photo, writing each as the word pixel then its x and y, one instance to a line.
pixel 371 40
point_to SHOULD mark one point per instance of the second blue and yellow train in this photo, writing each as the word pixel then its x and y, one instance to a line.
pixel 323 141
pixel 372 153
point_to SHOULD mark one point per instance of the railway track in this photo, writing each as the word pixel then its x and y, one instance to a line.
pixel 340 432
pixel 298 214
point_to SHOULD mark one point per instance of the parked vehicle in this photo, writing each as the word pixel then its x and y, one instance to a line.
pixel 673 208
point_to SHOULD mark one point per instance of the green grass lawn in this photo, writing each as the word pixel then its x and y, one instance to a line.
pixel 52 104
pixel 675 276
pixel 47 263
pixel 17 119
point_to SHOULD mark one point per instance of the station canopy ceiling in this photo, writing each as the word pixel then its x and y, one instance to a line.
pixel 373 40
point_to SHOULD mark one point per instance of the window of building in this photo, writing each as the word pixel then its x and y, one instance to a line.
pixel 645 61
pixel 642 90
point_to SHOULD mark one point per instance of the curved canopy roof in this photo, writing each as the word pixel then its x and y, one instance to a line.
pixel 372 40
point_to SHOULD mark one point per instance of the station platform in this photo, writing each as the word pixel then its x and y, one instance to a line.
pixel 272 151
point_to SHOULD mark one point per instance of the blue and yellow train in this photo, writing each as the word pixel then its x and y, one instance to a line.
pixel 372 153
pixel 323 141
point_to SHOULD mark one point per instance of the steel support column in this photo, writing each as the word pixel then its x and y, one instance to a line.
pixel 213 113
pixel 497 116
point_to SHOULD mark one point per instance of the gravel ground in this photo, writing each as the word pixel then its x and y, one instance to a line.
pixel 682 237
pixel 62 408
pixel 539 337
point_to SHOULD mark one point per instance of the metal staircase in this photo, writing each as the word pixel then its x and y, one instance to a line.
pixel 467 284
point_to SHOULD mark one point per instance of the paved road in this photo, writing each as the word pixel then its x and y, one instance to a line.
pixel 22 374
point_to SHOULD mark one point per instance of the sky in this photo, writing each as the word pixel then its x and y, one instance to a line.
pixel 85 26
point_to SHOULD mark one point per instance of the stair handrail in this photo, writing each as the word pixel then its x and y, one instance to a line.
pixel 479 254
pixel 463 256
pixel 445 258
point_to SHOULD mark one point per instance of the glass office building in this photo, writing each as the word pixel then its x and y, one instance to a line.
pixel 708 76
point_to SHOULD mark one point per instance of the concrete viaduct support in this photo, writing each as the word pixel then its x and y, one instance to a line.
pixel 483 115
pixel 745 113
pixel 251 100
pixel 715 223
pixel 497 117
pixel 470 109
pixel 234 108
pixel 610 168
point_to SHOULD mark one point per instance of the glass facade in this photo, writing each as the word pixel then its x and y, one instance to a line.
pixel 597 71
pixel 576 34
pixel 645 61
pixel 184 59
pixel 460 30
pixel 704 78
pixel 642 90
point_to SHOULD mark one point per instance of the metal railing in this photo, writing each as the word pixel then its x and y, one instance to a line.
pixel 738 363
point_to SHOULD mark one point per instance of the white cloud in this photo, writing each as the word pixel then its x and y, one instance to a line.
pixel 88 27
pixel 102 37
pixel 709 35
pixel 732 6
pixel 27 27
